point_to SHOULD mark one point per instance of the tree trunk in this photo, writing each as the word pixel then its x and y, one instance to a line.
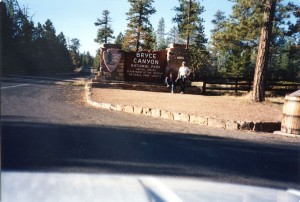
pixel 138 37
pixel 137 41
pixel 188 24
pixel 263 52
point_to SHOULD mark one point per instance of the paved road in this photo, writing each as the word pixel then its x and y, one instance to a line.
pixel 48 127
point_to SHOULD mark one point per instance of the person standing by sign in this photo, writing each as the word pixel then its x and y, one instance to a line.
pixel 183 73
pixel 171 81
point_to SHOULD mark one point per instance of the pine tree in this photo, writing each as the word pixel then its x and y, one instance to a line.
pixel 218 53
pixel 87 59
pixel 161 41
pixel 96 62
pixel 30 49
pixel 149 40
pixel 74 52
pixel 139 27
pixel 6 40
pixel 235 39
pixel 105 32
pixel 120 40
pixel 49 31
pixel 189 20
pixel 263 52
pixel 64 62
pixel 174 36
pixel 218 21
pixel 190 26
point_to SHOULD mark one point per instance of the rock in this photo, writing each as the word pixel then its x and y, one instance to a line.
pixel 166 115
pixel 218 123
pixel 106 106
pixel 138 110
pixel 246 125
pixel 128 109
pixel 118 108
pixel 232 125
pixel 147 111
pixel 181 117
pixel 266 126
pixel 198 119
pixel 155 112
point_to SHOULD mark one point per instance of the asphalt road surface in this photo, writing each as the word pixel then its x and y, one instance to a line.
pixel 46 126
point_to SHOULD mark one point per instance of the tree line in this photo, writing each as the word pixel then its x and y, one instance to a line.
pixel 35 49
pixel 232 49
pixel 235 40
pixel 270 28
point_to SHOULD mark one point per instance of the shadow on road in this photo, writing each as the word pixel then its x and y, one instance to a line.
pixel 46 147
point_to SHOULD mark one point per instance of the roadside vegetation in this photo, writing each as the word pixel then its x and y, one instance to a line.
pixel 35 49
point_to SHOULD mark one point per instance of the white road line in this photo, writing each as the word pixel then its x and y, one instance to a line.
pixel 14 86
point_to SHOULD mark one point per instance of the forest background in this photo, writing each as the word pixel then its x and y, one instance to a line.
pixel 29 48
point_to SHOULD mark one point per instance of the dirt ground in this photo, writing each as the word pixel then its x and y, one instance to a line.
pixel 221 107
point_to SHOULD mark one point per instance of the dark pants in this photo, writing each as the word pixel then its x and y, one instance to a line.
pixel 171 84
pixel 182 81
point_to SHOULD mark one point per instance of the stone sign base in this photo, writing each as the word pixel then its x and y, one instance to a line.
pixel 102 82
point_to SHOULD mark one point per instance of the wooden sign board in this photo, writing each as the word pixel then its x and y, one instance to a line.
pixel 145 66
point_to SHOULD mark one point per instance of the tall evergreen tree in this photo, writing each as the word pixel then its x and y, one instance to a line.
pixel 174 36
pixel 26 42
pixel 64 60
pixel 96 62
pixel 105 32
pixel 49 31
pixel 120 40
pixel 235 39
pixel 87 59
pixel 74 52
pixel 218 55
pixel 149 40
pixel 263 52
pixel 161 40
pixel 30 49
pixel 139 27
pixel 218 21
pixel 189 20
pixel 190 25
pixel 6 40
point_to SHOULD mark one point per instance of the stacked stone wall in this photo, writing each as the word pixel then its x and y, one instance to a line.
pixel 176 54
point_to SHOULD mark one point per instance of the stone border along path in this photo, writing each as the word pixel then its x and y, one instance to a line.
pixel 189 118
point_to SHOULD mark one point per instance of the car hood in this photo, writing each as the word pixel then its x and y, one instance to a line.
pixel 61 187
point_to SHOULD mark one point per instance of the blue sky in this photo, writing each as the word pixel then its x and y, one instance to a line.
pixel 75 18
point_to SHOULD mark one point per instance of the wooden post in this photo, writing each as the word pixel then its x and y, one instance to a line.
pixel 249 85
pixel 204 87
pixel 236 86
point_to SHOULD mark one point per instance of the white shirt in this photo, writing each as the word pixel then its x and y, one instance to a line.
pixel 184 71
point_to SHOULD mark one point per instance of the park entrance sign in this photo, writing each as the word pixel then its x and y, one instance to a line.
pixel 145 66
pixel 142 66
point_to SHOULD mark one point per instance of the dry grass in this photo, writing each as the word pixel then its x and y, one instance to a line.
pixel 80 82
pixel 222 107
pixel 77 82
